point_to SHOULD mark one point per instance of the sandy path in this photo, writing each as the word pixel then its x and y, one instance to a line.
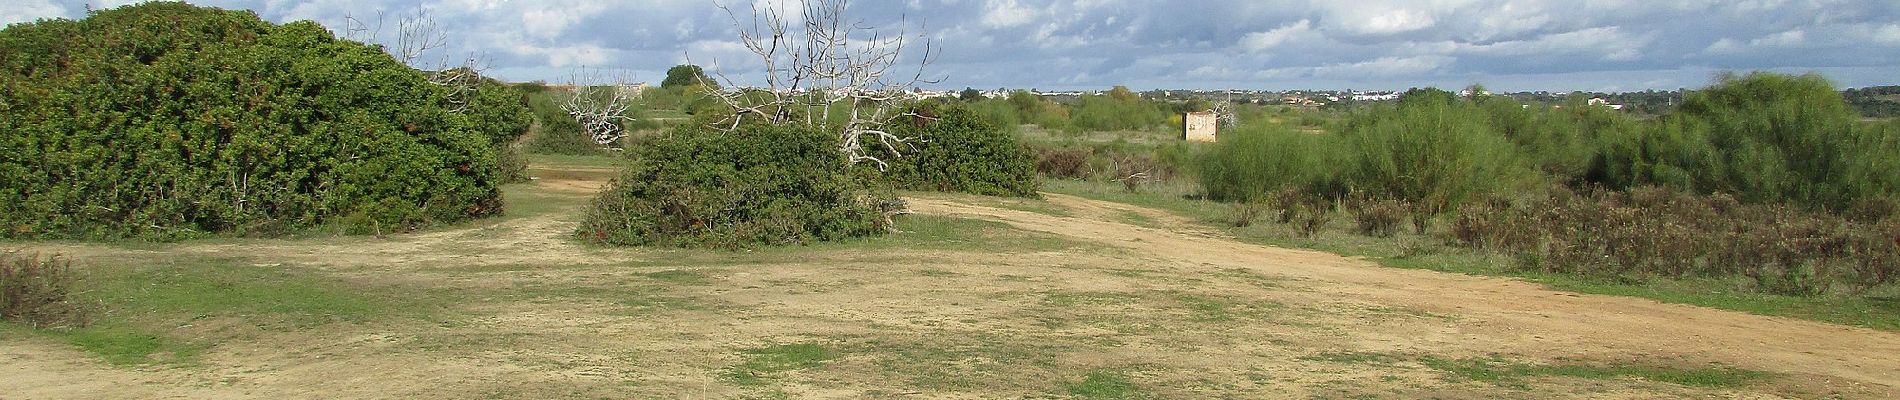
pixel 1495 314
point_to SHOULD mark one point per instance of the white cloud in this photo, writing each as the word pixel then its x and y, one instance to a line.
pixel 1274 38
pixel 1784 39
pixel 1889 34
pixel 29 10
pixel 1610 43
pixel 1006 13
pixel 1388 67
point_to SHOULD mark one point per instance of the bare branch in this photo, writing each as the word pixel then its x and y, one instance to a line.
pixel 600 105
pixel 824 65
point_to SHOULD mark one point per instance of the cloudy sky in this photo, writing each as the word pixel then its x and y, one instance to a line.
pixel 1512 45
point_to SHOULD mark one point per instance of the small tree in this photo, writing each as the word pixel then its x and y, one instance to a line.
pixel 683 75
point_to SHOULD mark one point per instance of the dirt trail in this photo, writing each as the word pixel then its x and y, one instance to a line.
pixel 529 313
pixel 1503 315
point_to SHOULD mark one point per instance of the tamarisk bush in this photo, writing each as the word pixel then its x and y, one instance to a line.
pixel 166 120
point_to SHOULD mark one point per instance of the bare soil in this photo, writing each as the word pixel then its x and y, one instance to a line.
pixel 1178 311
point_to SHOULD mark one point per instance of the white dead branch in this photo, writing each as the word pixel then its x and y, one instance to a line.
pixel 826 64
pixel 600 105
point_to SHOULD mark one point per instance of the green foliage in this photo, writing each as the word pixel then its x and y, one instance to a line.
pixel 759 184
pixel 165 120
pixel 39 291
pixel 960 151
pixel 1116 110
pixel 1762 137
pixel 684 75
pixel 557 132
pixel 1257 160
pixel 1428 151
pixel 501 113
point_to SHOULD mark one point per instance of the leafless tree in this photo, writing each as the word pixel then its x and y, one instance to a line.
pixel 822 65
pixel 600 105
pixel 417 36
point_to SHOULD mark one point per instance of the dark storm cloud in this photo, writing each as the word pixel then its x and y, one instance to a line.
pixel 1380 44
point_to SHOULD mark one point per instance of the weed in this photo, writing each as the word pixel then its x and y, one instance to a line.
pixel 39 291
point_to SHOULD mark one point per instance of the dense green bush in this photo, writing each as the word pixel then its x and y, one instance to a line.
pixel 1765 138
pixel 957 150
pixel 167 120
pixel 1255 161
pixel 760 184
pixel 1431 152
pixel 501 113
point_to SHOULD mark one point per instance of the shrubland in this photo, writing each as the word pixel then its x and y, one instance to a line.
pixel 166 120
pixel 1763 176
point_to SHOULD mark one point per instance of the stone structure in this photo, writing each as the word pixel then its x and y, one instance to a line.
pixel 1199 126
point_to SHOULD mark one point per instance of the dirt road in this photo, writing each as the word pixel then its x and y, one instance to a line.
pixel 1071 304
pixel 1494 314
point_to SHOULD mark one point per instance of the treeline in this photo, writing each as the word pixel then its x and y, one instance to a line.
pixel 1800 189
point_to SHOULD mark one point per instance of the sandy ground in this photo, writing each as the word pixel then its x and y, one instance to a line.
pixel 1180 311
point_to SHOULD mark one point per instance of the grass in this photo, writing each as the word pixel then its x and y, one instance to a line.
pixel 767 363
pixel 1878 308
pixel 152 310
pixel 1497 371
pixel 1106 385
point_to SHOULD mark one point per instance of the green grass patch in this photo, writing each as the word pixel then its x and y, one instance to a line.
pixel 1498 371
pixel 678 276
pixel 1105 385
pixel 764 364
pixel 149 311
pixel 1353 357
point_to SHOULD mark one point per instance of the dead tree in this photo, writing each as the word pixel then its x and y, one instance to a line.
pixel 601 106
pixel 826 64
pixel 417 37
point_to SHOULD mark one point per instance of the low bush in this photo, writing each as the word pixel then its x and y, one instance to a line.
pixel 957 150
pixel 1376 216
pixel 1063 162
pixel 39 291
pixel 757 185
pixel 1661 232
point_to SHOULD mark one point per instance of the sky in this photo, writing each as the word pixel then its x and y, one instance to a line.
pixel 1505 45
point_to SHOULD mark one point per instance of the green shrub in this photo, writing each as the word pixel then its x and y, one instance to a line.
pixel 501 113
pixel 1763 137
pixel 1256 161
pixel 39 291
pixel 165 120
pixel 1429 151
pixel 756 185
pixel 957 150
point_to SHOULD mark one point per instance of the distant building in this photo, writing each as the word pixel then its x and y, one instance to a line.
pixel 1199 126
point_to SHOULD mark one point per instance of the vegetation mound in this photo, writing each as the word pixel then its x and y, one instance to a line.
pixel 958 150
pixel 165 120
pixel 759 184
